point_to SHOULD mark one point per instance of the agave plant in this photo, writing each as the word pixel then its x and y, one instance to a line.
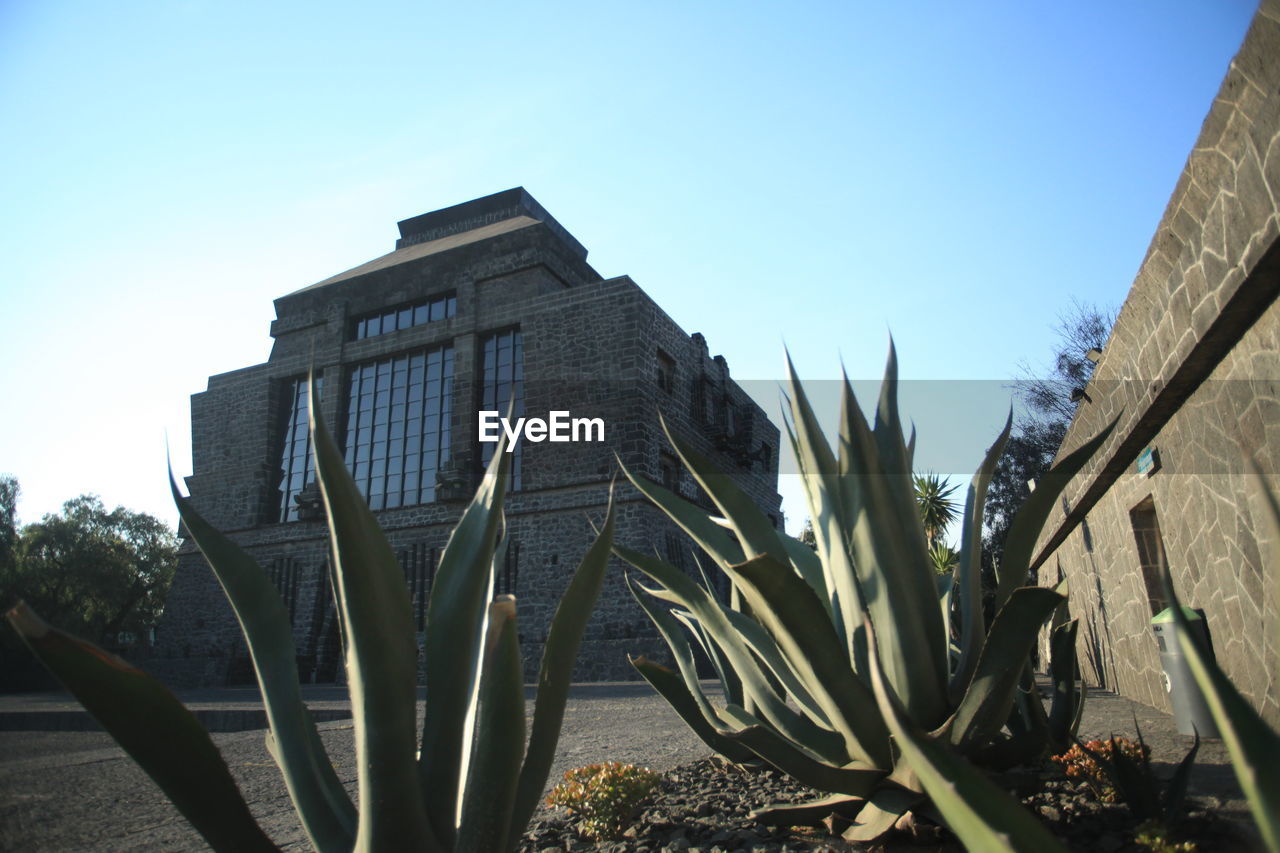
pixel 474 784
pixel 808 688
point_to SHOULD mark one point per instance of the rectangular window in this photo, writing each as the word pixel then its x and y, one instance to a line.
pixel 416 314
pixel 669 470
pixel 1151 557
pixel 666 372
pixel 297 462
pixel 398 426
pixel 508 576
pixel 502 384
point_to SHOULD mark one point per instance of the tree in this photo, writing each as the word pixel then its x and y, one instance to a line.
pixel 94 573
pixel 9 492
pixel 1040 428
pixel 937 506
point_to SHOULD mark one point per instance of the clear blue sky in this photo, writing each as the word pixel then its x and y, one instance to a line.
pixel 814 173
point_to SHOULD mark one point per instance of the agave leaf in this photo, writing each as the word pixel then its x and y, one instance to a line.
pixel 494 769
pixel 1068 693
pixel 1031 517
pixel 556 673
pixel 894 576
pixel 969 571
pixel 756 687
pixel 382 657
pixel 823 482
pixel 807 565
pixel 692 519
pixel 990 697
pixel 981 815
pixel 730 684
pixel 672 688
pixel 767 650
pixel 880 813
pixel 810 812
pixel 754 530
pixel 854 779
pixel 793 616
pixel 322 803
pixel 452 642
pixel 707 645
pixel 1176 793
pixel 1252 744
pixel 155 729
pixel 669 628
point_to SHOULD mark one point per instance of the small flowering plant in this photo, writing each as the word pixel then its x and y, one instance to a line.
pixel 1081 763
pixel 604 796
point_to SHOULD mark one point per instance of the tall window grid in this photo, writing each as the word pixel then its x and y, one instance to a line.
pixel 398 417
pixel 502 374
pixel 297 462
pixel 416 314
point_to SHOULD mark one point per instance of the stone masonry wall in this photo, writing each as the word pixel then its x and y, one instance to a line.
pixel 1191 369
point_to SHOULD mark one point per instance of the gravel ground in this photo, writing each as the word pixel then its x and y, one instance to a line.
pixel 75 790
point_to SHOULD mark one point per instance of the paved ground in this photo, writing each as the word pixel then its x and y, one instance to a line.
pixel 67 790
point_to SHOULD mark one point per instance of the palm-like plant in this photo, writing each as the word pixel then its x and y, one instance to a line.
pixel 937 506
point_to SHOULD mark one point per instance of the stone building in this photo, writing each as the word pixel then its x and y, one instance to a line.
pixel 1192 372
pixel 478 303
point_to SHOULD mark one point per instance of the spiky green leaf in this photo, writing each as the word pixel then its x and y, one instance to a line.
pixel 555 675
pixel 155 729
pixel 976 810
pixel 326 812
pixel 382 667
pixel 494 769
pixel 671 687
pixel 1025 528
pixel 692 597
pixel 990 697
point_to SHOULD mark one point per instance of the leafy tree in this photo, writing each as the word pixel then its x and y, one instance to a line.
pixel 8 521
pixel 1040 428
pixel 89 571
pixel 807 536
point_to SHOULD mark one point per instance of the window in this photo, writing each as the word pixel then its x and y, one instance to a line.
pixel 675 550
pixel 398 417
pixel 394 319
pixel 669 470
pixel 703 402
pixel 283 572
pixel 1146 530
pixel 297 463
pixel 419 563
pixel 508 574
pixel 666 372
pixel 502 377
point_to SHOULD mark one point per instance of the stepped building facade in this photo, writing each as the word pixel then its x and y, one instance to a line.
pixel 480 304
